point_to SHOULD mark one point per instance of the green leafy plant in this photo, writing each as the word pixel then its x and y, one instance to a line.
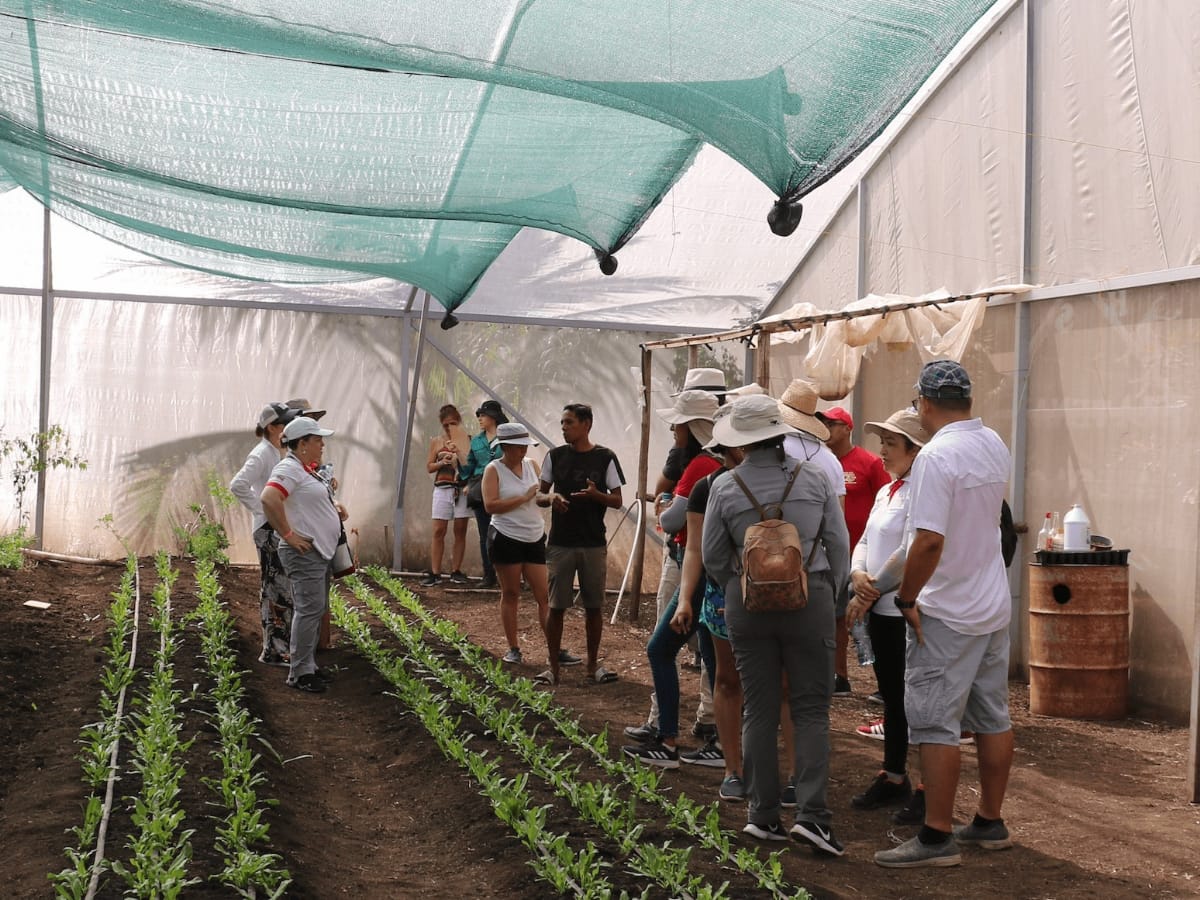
pixel 205 536
pixel 10 548
pixel 28 457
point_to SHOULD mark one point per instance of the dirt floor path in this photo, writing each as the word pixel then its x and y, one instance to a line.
pixel 369 808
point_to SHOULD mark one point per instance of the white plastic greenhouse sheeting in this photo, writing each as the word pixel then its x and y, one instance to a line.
pixel 157 396
pixel 1112 376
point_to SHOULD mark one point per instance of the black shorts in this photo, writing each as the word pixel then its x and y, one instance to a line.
pixel 505 551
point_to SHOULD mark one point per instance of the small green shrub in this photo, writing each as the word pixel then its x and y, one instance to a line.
pixel 11 546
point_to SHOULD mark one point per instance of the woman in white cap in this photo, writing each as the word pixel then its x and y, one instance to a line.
pixel 517 534
pixel 797 641
pixel 299 505
pixel 875 570
pixel 275 593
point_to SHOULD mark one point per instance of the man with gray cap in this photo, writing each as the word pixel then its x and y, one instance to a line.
pixel 954 596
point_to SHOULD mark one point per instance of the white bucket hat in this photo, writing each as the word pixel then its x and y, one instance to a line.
pixel 798 406
pixel 904 422
pixel 750 420
pixel 303 426
pixel 514 433
pixel 711 380
pixel 689 405
pixel 695 409
pixel 746 390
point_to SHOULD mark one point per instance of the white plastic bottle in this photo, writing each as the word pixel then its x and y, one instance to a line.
pixel 1076 528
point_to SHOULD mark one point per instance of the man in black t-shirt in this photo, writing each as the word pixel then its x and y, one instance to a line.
pixel 580 481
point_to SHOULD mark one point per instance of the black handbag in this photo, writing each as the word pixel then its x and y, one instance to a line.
pixel 475 492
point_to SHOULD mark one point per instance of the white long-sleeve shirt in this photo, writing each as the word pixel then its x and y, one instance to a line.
pixel 247 485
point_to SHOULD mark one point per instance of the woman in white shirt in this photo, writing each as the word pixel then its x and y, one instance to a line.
pixel 299 505
pixel 516 539
pixel 875 569
pixel 275 593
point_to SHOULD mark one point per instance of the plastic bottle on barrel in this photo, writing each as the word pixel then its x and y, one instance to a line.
pixel 1076 529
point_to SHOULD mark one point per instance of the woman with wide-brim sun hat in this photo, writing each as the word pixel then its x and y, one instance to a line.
pixel 875 569
pixel 694 411
pixel 300 506
pixel 767 644
pixel 517 534
pixel 275 593
pixel 483 450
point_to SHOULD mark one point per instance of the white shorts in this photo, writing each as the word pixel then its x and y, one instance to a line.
pixel 446 507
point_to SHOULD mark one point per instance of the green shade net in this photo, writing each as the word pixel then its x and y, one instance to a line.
pixel 321 135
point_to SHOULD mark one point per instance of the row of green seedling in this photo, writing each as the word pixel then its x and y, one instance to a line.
pixel 597 802
pixel 159 851
pixel 554 860
pixel 242 833
pixel 701 822
pixel 100 742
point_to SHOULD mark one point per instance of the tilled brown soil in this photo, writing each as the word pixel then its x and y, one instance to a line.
pixel 368 807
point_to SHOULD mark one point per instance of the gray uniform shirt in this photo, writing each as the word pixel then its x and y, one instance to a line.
pixel 811 506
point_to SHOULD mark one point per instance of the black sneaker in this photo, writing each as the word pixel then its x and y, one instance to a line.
pixel 772 832
pixel 732 789
pixel 430 580
pixel 883 792
pixel 704 731
pixel 641 733
pixel 876 698
pixel 489 582
pixel 819 837
pixel 458 577
pixel 787 797
pixel 309 683
pixel 567 658
pixel 913 812
pixel 841 686
pixel 655 753
pixel 708 755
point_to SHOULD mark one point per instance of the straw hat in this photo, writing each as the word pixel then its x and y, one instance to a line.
pixel 798 406
pixel 750 420
pixel 904 422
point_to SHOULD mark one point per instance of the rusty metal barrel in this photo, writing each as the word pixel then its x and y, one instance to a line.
pixel 1079 640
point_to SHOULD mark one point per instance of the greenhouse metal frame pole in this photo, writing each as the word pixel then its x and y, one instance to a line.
pixel 1018 440
pixel 408 407
pixel 47 352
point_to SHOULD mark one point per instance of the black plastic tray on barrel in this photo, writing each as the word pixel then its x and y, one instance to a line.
pixel 1082 557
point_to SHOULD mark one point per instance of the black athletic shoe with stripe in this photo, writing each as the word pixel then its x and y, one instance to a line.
pixel 654 753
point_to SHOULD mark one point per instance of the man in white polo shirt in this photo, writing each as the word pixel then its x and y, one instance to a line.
pixel 954 596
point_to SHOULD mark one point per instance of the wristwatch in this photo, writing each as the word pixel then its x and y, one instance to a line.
pixel 904 604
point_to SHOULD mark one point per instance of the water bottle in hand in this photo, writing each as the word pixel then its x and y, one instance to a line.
pixel 862 644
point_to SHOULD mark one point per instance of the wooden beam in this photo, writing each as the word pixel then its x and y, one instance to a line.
pixel 639 545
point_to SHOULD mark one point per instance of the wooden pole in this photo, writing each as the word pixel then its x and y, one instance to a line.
pixel 762 362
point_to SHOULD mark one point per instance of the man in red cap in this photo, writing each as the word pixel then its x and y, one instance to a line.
pixel 865 475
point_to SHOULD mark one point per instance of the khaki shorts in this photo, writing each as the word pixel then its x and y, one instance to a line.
pixel 450 503
pixel 564 563
pixel 955 682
